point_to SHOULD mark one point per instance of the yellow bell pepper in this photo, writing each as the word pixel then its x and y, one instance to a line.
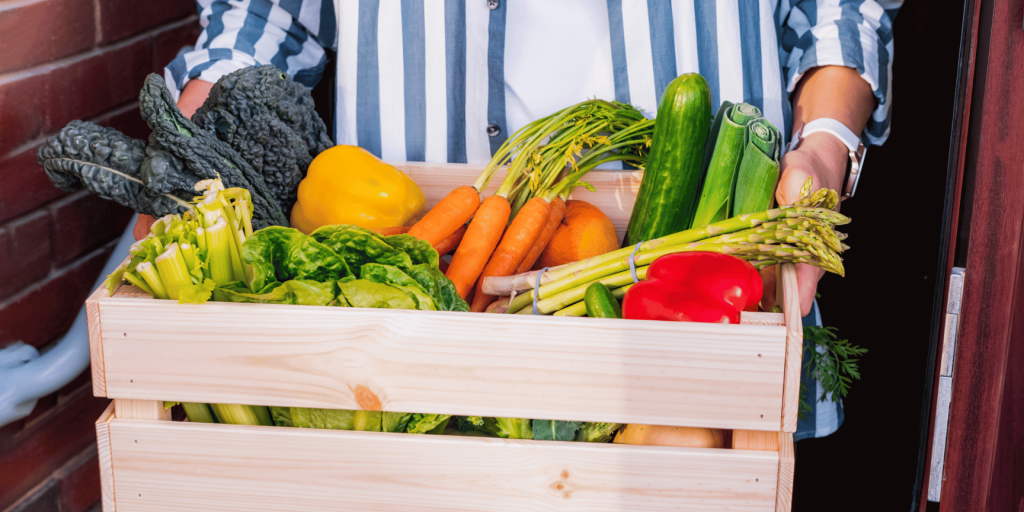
pixel 348 185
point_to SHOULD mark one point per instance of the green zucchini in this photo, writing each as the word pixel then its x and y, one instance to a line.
pixel 668 192
pixel 601 303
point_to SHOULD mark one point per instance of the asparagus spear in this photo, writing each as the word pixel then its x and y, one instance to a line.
pixel 503 286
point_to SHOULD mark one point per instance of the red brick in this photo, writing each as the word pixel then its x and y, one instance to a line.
pixel 44 405
pixel 24 185
pixel 24 251
pixel 172 40
pixel 45 446
pixel 72 388
pixel 127 121
pixel 91 86
pixel 48 308
pixel 122 18
pixel 83 222
pixel 79 482
pixel 20 111
pixel 44 498
pixel 41 31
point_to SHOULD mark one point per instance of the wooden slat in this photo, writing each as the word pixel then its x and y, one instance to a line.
pixel 92 318
pixel 168 466
pixel 584 369
pixel 787 464
pixel 758 440
pixel 615 196
pixel 762 318
pixel 794 348
pixel 103 454
pixel 141 409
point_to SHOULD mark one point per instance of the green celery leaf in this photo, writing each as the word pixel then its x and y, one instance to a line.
pixel 361 293
pixel 420 251
pixel 196 293
pixel 360 246
pixel 282 254
pixel 553 430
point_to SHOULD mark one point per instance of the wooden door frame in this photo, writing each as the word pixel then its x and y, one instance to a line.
pixel 984 463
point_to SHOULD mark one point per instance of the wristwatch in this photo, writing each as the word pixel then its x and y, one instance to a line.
pixel 848 138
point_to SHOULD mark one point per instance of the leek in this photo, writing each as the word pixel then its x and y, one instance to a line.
pixel 759 170
pixel 716 195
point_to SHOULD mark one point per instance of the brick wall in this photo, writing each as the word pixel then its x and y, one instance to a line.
pixel 62 60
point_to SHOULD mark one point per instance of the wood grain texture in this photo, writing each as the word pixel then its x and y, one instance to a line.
pixel 794 348
pixel 141 409
pixel 762 318
pixel 992 297
pixel 787 465
pixel 615 196
pixel 584 369
pixel 758 440
pixel 103 454
pixel 92 318
pixel 170 466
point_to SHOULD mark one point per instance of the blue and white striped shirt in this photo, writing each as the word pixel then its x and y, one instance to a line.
pixel 449 80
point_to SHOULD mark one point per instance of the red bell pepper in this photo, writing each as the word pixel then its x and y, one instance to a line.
pixel 695 287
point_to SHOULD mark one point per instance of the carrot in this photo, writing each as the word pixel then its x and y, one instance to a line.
pixel 478 243
pixel 449 244
pixel 554 220
pixel 446 216
pixel 392 231
pixel 520 236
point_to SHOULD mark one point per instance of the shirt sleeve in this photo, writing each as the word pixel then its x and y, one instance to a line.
pixel 242 33
pixel 855 34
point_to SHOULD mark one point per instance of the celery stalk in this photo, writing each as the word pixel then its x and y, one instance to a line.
pixel 201 238
pixel 189 255
pixel 152 278
pixel 218 255
pixel 136 280
pixel 173 271
pixel 198 413
pixel 235 414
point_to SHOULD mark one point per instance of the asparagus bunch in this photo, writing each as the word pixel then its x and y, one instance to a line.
pixel 790 234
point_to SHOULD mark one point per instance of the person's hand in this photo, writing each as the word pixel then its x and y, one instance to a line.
pixel 822 157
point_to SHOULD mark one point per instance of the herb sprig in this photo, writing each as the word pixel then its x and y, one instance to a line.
pixel 831 361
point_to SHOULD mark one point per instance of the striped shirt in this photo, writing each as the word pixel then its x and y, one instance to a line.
pixel 449 80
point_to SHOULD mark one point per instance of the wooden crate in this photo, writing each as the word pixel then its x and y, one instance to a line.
pixel 740 377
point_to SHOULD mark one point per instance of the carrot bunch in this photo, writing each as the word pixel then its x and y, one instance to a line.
pixel 510 229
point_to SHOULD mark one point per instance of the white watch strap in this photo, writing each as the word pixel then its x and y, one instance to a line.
pixel 832 126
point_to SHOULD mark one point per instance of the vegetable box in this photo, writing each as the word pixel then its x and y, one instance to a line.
pixel 744 378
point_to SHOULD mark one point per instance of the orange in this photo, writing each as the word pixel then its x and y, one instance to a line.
pixel 585 232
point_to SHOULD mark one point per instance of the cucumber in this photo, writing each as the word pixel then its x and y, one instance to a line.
pixel 601 303
pixel 668 192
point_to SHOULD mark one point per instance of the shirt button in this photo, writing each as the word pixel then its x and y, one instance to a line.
pixel 493 130
pixel 492 4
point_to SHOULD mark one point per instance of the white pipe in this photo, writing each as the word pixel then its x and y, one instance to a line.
pixel 26 375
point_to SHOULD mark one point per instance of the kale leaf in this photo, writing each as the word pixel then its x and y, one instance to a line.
pixel 204 155
pixel 269 118
pixel 108 164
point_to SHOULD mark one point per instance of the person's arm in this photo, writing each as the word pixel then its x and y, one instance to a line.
pixel 832 75
pixel 235 37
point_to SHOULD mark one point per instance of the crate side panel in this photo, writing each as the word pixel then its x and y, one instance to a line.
pixel 105 459
pixel 165 466
pixel 585 369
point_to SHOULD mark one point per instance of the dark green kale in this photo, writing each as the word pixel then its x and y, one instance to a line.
pixel 204 155
pixel 108 164
pixel 269 118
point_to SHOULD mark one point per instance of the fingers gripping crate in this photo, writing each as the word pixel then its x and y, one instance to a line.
pixel 740 377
